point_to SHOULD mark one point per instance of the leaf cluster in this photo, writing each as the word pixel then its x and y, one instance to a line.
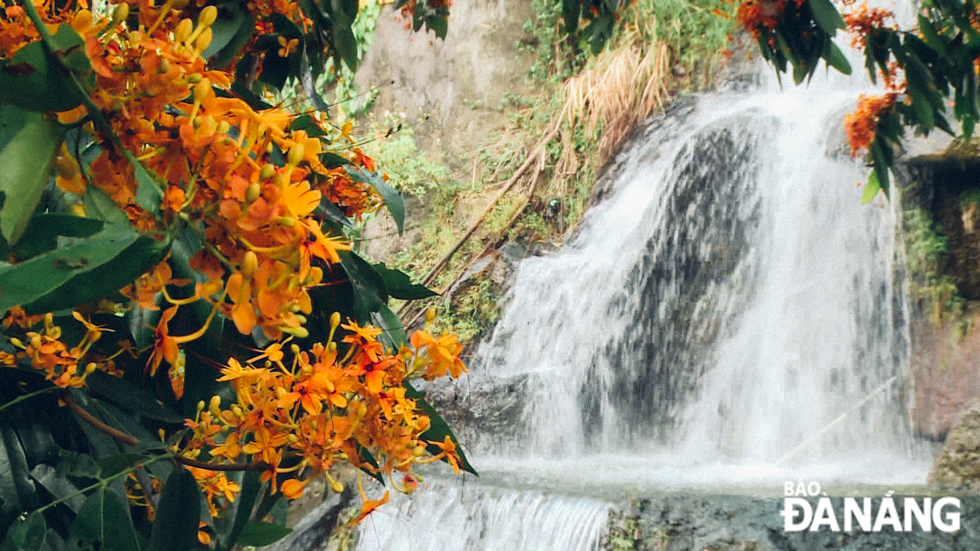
pixel 87 475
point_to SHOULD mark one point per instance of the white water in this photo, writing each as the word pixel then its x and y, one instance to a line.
pixel 706 331
pixel 454 517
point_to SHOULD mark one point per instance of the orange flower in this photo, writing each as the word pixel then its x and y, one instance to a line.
pixel 165 347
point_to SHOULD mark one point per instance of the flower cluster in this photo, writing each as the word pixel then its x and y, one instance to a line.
pixel 254 195
pixel 860 125
pixel 762 16
pixel 212 157
pixel 302 414
pixel 861 20
pixel 65 367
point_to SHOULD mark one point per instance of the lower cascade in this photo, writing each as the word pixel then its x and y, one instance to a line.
pixel 729 319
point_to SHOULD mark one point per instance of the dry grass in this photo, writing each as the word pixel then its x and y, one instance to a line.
pixel 621 89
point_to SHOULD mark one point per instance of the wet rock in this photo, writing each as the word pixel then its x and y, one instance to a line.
pixel 730 523
pixel 481 411
pixel 958 465
pixel 321 528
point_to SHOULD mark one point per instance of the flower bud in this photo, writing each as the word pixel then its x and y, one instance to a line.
pixel 250 262
pixel 298 332
pixel 334 320
pixel 183 30
pixel 201 89
pixel 164 67
pixel 215 404
pixel 267 171
pixel 203 40
pixel 120 14
pixel 252 192
pixel 208 16
pixel 337 487
pixel 296 154
pixel 82 21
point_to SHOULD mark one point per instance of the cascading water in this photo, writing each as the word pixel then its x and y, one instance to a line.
pixel 728 317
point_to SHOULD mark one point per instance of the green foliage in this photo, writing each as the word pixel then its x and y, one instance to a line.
pixel 410 171
pixel 937 61
pixel 926 254
pixel 82 476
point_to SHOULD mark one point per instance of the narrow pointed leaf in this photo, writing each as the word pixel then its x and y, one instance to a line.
pixel 87 270
pixel 871 188
pixel 103 520
pixel 30 534
pixel 262 533
pixel 393 200
pixel 826 16
pixel 25 161
pixel 178 514
pixel 400 285
pixel 438 428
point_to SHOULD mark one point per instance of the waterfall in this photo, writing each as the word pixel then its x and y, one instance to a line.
pixel 730 316
pixel 728 303
pixel 451 517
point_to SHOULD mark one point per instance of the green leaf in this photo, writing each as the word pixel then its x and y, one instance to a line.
pixel 251 98
pixel 87 270
pixel 393 333
pixel 400 285
pixel 30 534
pixel 332 160
pixel 438 428
pixel 104 518
pixel 99 206
pixel 12 119
pixel 370 293
pixel 438 25
pixel 77 464
pixel 114 464
pixel 148 192
pixel 835 58
pixel 16 487
pixel 933 39
pixel 58 486
pixel 43 231
pixel 826 16
pixel 262 533
pixel 230 32
pixel 32 81
pixel 365 456
pixel 25 161
pixel 571 12
pixel 241 508
pixel 178 514
pixel 128 396
pixel 393 200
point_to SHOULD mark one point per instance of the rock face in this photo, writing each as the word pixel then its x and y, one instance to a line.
pixel 730 523
pixel 945 362
pixel 456 83
pixel 945 371
pixel 958 466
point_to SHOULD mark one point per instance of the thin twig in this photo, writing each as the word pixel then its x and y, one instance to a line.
pixel 259 466
pixel 441 264
pixel 90 419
